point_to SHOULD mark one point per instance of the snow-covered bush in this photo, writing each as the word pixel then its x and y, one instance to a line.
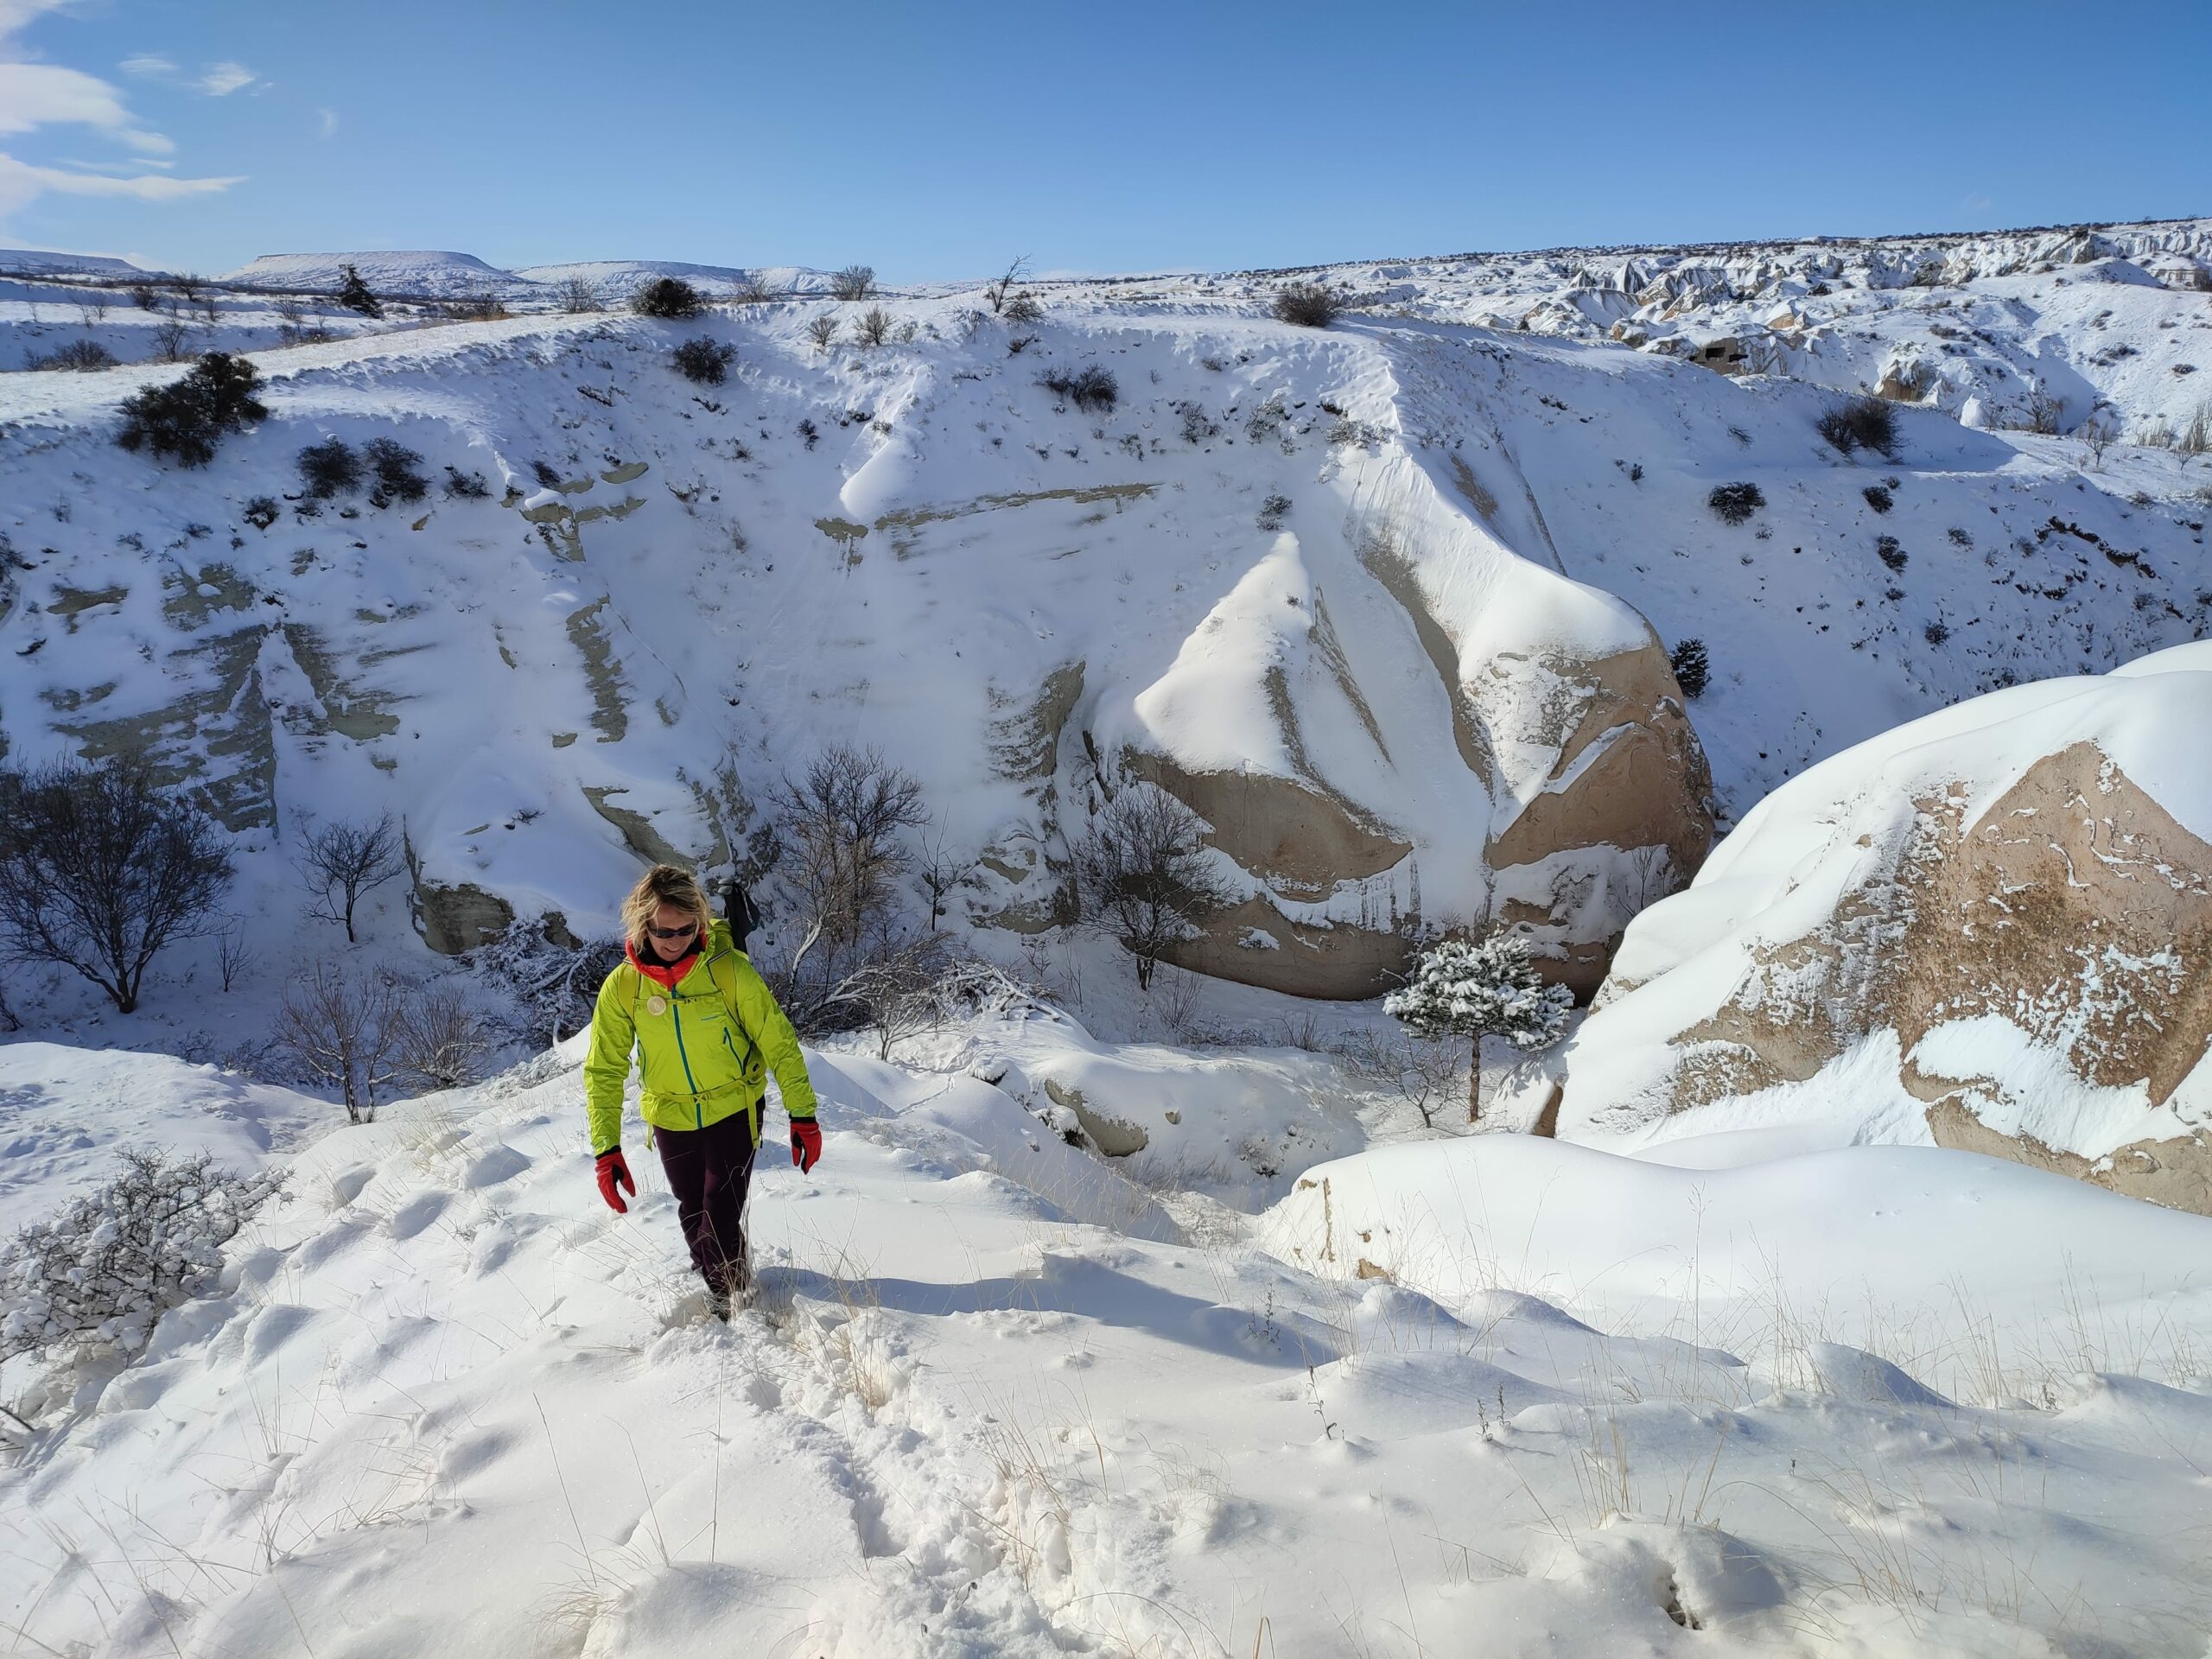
pixel 261 512
pixel 706 361
pixel 1485 987
pixel 1734 504
pixel 97 1279
pixel 872 326
pixel 1024 308
pixel 187 418
pixel 551 982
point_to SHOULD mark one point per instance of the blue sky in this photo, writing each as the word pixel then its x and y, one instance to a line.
pixel 931 139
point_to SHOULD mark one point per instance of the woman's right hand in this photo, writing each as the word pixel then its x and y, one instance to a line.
pixel 611 1169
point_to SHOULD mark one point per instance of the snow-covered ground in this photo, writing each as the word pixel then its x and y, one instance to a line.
pixel 1493 1395
pixel 1296 1375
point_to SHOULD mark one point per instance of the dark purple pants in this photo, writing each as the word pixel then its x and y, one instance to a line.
pixel 708 1171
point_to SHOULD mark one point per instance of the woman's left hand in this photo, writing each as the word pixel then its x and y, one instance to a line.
pixel 806 1142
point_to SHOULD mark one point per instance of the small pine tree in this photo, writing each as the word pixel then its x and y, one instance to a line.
pixel 353 294
pixel 1690 666
pixel 1485 987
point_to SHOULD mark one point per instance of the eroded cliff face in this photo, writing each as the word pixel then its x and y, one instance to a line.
pixel 2036 958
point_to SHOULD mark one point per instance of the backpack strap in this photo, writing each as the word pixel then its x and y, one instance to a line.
pixel 721 968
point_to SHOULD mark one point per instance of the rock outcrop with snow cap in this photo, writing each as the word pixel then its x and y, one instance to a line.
pixel 1991 928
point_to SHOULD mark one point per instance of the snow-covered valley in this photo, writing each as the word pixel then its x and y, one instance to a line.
pixel 1186 1318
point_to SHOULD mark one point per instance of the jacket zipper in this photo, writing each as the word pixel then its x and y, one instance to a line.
pixel 676 1009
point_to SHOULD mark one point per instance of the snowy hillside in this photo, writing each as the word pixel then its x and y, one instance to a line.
pixel 1291 615
pixel 1984 326
pixel 440 275
pixel 986 1404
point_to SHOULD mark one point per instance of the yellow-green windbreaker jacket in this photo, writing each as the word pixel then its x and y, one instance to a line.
pixel 704 1051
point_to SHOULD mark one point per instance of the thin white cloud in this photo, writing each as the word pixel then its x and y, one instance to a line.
pixel 134 165
pixel 147 67
pixel 221 80
pixel 21 183
pixel 327 123
pixel 35 95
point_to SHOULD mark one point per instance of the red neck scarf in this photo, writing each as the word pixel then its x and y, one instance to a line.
pixel 663 972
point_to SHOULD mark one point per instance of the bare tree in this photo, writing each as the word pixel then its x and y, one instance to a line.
pixel 998 292
pixel 170 335
pixel 749 290
pixel 944 874
pixel 1146 877
pixel 441 1040
pixel 341 861
pixel 2097 433
pixel 839 851
pixel 92 306
pixel 873 325
pixel 822 330
pixel 1427 1073
pixel 100 870
pixel 234 957
pixel 853 282
pixel 288 310
pixel 342 1031
pixel 580 294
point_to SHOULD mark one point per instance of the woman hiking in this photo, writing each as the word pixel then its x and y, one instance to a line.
pixel 707 1032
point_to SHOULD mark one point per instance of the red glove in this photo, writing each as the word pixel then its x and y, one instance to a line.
pixel 611 1170
pixel 806 1142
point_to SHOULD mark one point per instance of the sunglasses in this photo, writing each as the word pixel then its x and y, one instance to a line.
pixel 683 933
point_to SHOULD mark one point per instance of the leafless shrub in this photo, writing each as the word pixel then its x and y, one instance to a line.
pixel 837 851
pixel 234 957
pixel 706 361
pixel 100 871
pixel 942 874
pixel 440 1039
pixel 1088 388
pixel 1865 422
pixel 288 309
pixel 83 356
pixel 873 327
pixel 580 294
pixel 1309 305
pixel 1025 307
pixel 550 980
pixel 1000 291
pixel 751 291
pixel 477 308
pixel 170 335
pixel 2043 411
pixel 1425 1074
pixel 344 859
pixel 822 330
pixel 342 1030
pixel 2096 434
pixel 92 306
pixel 2195 438
pixel 146 296
pixel 853 282
pixel 1146 876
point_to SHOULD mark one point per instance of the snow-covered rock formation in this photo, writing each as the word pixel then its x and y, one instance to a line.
pixel 1989 929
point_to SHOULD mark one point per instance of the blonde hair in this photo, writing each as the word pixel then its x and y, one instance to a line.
pixel 664 884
